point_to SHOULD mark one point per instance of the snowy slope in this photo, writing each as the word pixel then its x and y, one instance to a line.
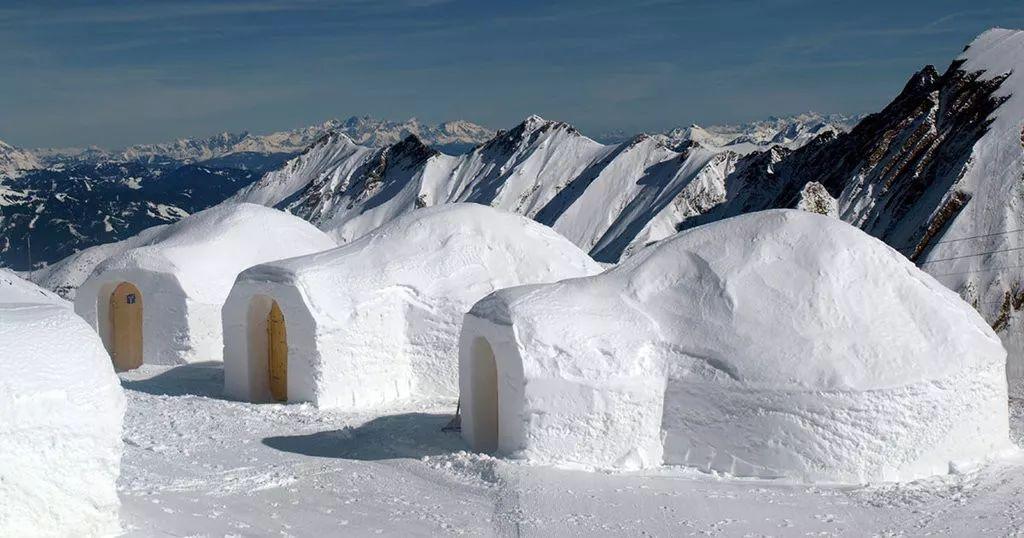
pixel 14 289
pixel 991 184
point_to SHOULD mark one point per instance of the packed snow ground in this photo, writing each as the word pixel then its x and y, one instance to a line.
pixel 196 464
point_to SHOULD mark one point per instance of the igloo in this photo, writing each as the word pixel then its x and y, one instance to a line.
pixel 159 302
pixel 61 408
pixel 377 320
pixel 775 344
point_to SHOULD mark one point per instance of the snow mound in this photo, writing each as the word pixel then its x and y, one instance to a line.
pixel 377 320
pixel 775 344
pixel 61 408
pixel 185 271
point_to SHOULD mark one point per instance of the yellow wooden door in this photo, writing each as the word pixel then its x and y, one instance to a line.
pixel 126 326
pixel 277 339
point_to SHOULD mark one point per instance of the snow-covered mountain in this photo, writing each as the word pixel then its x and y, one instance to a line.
pixel 605 198
pixel 790 132
pixel 15 160
pixel 608 198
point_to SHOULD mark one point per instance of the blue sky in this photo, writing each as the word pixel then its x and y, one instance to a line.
pixel 113 73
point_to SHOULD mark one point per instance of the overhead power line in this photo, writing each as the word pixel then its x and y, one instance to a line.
pixel 944 241
pixel 971 255
pixel 994 269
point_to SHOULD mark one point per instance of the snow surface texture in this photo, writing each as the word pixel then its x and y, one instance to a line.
pixel 377 320
pixel 197 464
pixel 775 344
pixel 61 408
pixel 185 271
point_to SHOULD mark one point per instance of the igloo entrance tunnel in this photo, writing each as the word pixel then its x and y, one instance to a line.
pixel 776 344
pixel 377 320
pixel 160 301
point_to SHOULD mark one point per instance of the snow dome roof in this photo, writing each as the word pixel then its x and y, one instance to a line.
pixel 434 250
pixel 776 299
pixel 207 250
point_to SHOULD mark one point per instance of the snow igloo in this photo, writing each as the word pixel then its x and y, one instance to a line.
pixel 377 320
pixel 775 344
pixel 61 409
pixel 160 302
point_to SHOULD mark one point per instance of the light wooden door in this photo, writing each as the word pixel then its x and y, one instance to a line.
pixel 277 340
pixel 126 326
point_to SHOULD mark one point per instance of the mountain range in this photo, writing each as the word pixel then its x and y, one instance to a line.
pixel 938 174
pixel 54 202
pixel 58 201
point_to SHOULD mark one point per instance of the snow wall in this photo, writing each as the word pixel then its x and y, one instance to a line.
pixel 775 344
pixel 61 409
pixel 377 320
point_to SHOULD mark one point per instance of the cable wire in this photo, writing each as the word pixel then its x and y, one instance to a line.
pixel 971 255
pixel 994 234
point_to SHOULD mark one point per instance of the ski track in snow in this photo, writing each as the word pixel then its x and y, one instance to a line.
pixel 196 464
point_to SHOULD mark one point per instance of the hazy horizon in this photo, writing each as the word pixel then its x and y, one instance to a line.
pixel 114 73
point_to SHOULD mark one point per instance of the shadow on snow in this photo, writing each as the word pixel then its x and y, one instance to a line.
pixel 197 379
pixel 409 435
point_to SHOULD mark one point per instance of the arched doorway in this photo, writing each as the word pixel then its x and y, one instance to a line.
pixel 484 397
pixel 126 326
pixel 277 353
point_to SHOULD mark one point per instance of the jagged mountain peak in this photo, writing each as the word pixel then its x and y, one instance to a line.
pixel 411 148
pixel 533 120
pixel 534 126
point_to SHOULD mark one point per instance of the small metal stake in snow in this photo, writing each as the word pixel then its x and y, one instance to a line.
pixel 455 425
pixel 28 240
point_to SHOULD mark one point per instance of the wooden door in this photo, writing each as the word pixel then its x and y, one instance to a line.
pixel 277 340
pixel 126 326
